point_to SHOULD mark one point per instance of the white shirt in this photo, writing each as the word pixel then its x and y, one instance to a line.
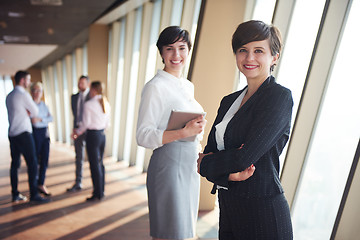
pixel 221 126
pixel 93 117
pixel 18 104
pixel 160 95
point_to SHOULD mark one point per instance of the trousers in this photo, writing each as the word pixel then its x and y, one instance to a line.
pixel 266 218
pixel 23 144
pixel 95 146
pixel 79 144
pixel 42 145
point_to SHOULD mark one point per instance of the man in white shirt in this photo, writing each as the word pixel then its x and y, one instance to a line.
pixel 21 107
pixel 77 107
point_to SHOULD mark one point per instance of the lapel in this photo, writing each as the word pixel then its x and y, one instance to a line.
pixel 87 97
pixel 74 101
pixel 227 106
pixel 250 102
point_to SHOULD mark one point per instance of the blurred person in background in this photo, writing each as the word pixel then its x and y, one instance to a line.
pixel 95 120
pixel 21 107
pixel 77 106
pixel 41 134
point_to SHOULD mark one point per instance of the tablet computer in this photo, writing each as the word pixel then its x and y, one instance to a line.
pixel 178 120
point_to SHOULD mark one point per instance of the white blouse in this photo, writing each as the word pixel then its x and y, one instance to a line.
pixel 93 117
pixel 221 126
pixel 160 95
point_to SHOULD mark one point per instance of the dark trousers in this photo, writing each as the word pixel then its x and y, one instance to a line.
pixel 79 144
pixel 42 145
pixel 265 218
pixel 95 145
pixel 23 144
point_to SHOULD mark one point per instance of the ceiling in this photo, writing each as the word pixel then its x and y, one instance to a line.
pixel 36 32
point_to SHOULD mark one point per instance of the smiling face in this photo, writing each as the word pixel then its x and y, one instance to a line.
pixel 36 93
pixel 254 60
pixel 83 84
pixel 175 56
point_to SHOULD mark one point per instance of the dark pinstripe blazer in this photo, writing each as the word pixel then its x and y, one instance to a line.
pixel 74 100
pixel 262 124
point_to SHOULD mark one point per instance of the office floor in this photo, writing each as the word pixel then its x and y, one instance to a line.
pixel 123 214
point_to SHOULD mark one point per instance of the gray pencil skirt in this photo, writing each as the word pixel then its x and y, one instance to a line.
pixel 173 191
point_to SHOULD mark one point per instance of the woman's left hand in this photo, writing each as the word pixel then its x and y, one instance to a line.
pixel 201 155
pixel 242 176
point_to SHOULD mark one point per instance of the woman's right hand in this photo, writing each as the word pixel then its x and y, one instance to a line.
pixel 194 126
pixel 242 176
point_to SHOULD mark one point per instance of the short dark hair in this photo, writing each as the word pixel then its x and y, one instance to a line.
pixel 171 35
pixel 84 76
pixel 255 30
pixel 19 75
pixel 98 86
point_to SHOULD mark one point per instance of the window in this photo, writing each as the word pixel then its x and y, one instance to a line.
pixel 334 142
pixel 6 86
pixel 264 10
pixel 298 48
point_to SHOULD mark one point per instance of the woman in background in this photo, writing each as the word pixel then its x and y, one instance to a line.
pixel 41 135
pixel 250 131
pixel 172 181
pixel 96 118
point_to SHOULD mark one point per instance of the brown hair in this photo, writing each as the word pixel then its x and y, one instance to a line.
pixel 171 35
pixel 19 75
pixel 255 30
pixel 98 87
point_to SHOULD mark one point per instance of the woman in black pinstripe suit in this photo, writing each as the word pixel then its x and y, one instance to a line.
pixel 250 131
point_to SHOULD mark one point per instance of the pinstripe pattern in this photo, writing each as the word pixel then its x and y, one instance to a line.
pixel 262 124
pixel 255 218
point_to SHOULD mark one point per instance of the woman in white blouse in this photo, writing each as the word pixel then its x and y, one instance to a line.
pixel 172 180
pixel 95 119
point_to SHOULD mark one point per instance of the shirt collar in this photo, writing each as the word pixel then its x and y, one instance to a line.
pixel 269 80
pixel 97 96
pixel 20 88
pixel 168 75
pixel 84 93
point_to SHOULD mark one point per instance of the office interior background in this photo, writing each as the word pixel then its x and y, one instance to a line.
pixel 319 63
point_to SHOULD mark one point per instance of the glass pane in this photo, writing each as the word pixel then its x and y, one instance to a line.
pixel 294 62
pixel 3 111
pixel 134 71
pixel 74 73
pixel 264 10
pixel 176 13
pixel 334 143
pixel 85 60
